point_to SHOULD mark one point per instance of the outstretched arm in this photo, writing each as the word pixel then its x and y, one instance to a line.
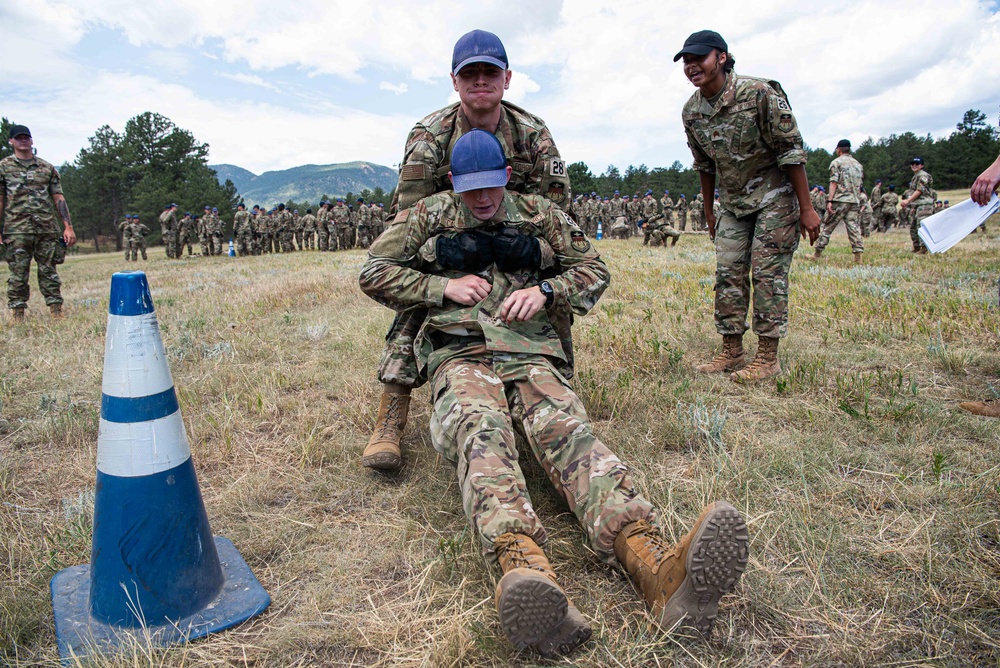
pixel 981 191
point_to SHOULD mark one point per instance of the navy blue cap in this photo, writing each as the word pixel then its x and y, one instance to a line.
pixel 878 180
pixel 214 210
pixel 478 46
pixel 682 195
pixel 702 43
pixel 617 193
pixel 477 161
pixel 381 205
pixel 917 161
pixel 16 130
pixel 649 192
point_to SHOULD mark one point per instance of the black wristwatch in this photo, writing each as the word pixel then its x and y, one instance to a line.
pixel 546 289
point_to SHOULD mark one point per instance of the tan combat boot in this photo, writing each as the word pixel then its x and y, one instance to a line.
pixel 765 363
pixel 382 451
pixel 730 359
pixel 18 314
pixel 56 311
pixel 533 609
pixel 986 408
pixel 816 254
pixel 859 258
pixel 682 584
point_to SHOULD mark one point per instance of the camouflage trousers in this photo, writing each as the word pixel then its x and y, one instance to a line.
pixel 887 218
pixel 920 211
pixel 659 236
pixel 127 244
pixel 203 241
pixel 45 250
pixel 244 243
pixel 286 239
pixel 850 214
pixel 137 246
pixel 682 217
pixel 866 222
pixel 186 239
pixel 323 240
pixel 758 246
pixel 398 365
pixel 345 238
pixel 215 243
pixel 475 395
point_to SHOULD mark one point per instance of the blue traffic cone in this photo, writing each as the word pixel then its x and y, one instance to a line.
pixel 600 231
pixel 232 251
pixel 155 567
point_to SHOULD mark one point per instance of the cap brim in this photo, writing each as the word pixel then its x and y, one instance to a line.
pixel 480 59
pixel 496 178
pixel 695 50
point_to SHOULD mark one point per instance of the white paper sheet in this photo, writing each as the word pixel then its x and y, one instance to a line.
pixel 946 228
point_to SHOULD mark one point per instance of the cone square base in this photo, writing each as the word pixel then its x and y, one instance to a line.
pixel 78 633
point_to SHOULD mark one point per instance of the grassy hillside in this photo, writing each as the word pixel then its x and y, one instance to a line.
pixel 872 501
pixel 306 182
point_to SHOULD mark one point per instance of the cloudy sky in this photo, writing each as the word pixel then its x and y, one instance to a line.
pixel 270 85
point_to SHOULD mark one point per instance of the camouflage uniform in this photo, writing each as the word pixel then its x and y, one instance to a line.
pixel 126 237
pixel 298 228
pixel 698 213
pixel 340 219
pixel 888 210
pixel 667 208
pixel 137 239
pixel 682 212
pixel 875 198
pixel 480 367
pixel 31 228
pixel 818 199
pixel 921 207
pixel 848 174
pixel 168 232
pixel 286 230
pixel 527 143
pixel 309 231
pixel 657 230
pixel 649 208
pixel 188 235
pixel 243 232
pixel 867 215
pixel 203 234
pixel 745 139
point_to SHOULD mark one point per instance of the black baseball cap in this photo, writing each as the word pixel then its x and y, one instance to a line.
pixel 477 161
pixel 844 143
pixel 478 46
pixel 702 43
pixel 16 130
pixel 917 161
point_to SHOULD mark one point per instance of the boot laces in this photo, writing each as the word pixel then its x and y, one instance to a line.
pixel 391 415
pixel 512 547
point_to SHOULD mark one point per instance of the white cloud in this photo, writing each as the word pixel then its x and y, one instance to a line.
pixel 398 89
pixel 249 79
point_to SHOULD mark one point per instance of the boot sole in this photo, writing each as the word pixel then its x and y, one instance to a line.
pixel 530 606
pixel 715 560
pixel 382 461
pixel 573 632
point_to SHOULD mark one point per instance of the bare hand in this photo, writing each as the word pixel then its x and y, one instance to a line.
pixel 987 182
pixel 809 225
pixel 468 290
pixel 710 221
pixel 522 305
pixel 69 236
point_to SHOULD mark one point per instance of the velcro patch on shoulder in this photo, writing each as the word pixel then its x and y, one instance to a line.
pixel 414 172
pixel 521 167
pixel 537 218
pixel 558 167
pixel 578 240
pixel 401 216
pixel 742 106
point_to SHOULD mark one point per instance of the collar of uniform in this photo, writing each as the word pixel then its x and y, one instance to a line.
pixel 503 131
pixel 507 212
pixel 26 163
pixel 727 98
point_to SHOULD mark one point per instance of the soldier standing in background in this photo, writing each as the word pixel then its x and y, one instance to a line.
pixel 921 200
pixel 866 213
pixel 875 199
pixel 298 228
pixel 667 205
pixel 215 233
pixel 698 213
pixel 187 234
pixel 137 238
pixel 323 226
pixel 843 202
pixel 682 211
pixel 203 232
pixel 764 198
pixel 887 209
pixel 30 196
pixel 242 230
pixel 340 220
pixel 309 230
pixel 168 229
pixel 286 229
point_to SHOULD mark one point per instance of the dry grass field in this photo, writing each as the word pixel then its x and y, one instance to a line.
pixel 873 502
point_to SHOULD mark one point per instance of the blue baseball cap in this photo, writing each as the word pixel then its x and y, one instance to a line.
pixel 477 161
pixel 617 193
pixel 478 46
pixel 649 192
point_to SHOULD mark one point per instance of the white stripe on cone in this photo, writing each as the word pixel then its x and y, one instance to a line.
pixel 133 449
pixel 135 364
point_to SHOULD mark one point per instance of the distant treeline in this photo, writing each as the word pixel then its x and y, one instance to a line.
pixel 954 162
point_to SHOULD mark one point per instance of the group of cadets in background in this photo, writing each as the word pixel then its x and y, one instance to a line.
pixel 621 216
pixel 335 226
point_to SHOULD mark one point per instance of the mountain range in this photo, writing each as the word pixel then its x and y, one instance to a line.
pixel 306 183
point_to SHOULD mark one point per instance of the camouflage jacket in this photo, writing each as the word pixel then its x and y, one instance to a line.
pixel 137 231
pixel 527 143
pixel 876 196
pixel 682 205
pixel 746 138
pixel 923 182
pixel 634 208
pixel 649 207
pixel 284 222
pixel 616 207
pixel 308 223
pixel 889 201
pixel 392 276
pixel 27 190
pixel 241 222
pixel 818 199
pixel 340 216
pixel 125 229
pixel 323 220
pixel 666 204
pixel 849 176
pixel 364 216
